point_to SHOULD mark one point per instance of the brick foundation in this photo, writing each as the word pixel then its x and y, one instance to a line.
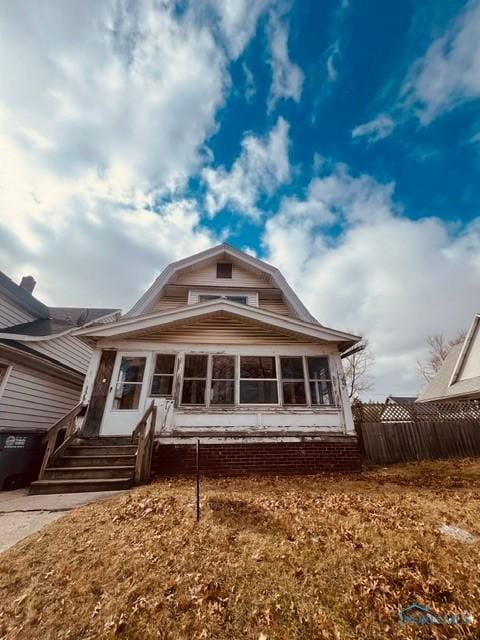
pixel 281 458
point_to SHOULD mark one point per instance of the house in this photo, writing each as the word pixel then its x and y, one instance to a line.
pixel 459 376
pixel 397 409
pixel 229 356
pixel 42 365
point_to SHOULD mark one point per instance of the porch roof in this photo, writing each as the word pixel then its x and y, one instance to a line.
pixel 131 326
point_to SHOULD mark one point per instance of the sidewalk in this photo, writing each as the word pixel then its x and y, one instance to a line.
pixel 21 514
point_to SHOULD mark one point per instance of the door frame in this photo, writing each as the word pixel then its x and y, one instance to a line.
pixel 109 411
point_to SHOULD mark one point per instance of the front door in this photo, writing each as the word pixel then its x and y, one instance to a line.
pixel 127 394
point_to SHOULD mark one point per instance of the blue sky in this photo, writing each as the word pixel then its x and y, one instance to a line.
pixel 339 140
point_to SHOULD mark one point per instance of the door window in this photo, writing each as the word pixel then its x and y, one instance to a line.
pixel 129 383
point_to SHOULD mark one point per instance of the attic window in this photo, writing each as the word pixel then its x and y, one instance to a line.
pixel 224 269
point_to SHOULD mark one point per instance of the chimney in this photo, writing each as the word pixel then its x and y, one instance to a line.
pixel 28 283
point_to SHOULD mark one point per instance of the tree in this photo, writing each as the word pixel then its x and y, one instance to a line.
pixel 438 348
pixel 357 368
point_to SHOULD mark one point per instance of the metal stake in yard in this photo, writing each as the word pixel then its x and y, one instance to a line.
pixel 198 480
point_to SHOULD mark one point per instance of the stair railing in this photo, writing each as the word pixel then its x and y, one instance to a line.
pixel 66 423
pixel 143 435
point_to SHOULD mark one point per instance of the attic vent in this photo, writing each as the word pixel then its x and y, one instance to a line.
pixel 224 270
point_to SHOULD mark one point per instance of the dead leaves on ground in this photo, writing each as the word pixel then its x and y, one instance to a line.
pixel 272 558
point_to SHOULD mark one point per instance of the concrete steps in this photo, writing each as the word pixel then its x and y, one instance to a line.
pixel 96 464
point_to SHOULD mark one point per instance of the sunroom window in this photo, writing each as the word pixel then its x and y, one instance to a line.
pixel 162 379
pixel 222 390
pixel 319 380
pixel 258 380
pixel 293 380
pixel 194 379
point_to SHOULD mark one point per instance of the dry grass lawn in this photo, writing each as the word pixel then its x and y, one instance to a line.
pixel 272 558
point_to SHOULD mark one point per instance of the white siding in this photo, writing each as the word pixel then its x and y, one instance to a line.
pixel 12 313
pixel 65 349
pixel 471 363
pixel 276 305
pixel 32 399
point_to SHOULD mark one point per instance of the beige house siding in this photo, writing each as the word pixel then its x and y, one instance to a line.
pixel 207 276
pixel 221 330
pixel 65 349
pixel 275 306
pixel 33 399
pixel 169 302
pixel 12 313
pixel 471 362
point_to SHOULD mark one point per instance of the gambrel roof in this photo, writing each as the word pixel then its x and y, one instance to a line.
pixel 221 252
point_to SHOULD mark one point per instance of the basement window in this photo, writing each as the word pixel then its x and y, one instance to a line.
pixel 162 379
pixel 224 269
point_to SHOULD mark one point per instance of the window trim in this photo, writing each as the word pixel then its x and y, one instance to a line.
pixel 172 375
pixel 251 296
pixel 3 382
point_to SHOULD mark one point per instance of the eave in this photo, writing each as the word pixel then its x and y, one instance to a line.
pixel 133 325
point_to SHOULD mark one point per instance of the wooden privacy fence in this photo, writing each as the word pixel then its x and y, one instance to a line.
pixel 402 432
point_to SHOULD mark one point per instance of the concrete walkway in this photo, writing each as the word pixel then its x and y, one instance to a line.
pixel 21 514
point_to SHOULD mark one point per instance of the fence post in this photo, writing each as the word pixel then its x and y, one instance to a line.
pixel 198 479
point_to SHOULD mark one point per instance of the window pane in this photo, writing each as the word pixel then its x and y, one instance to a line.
pixel 195 366
pixel 131 369
pixel 223 367
pixel 321 392
pixel 257 367
pixel 164 363
pixel 206 298
pixel 162 385
pixel 238 299
pixel 193 392
pixel 258 392
pixel 294 393
pixel 127 396
pixel 318 368
pixel 292 368
pixel 223 392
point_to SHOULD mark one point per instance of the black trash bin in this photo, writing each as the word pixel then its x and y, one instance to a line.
pixel 21 454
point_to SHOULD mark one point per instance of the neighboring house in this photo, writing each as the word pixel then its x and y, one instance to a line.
pixel 397 409
pixel 459 376
pixel 231 356
pixel 42 365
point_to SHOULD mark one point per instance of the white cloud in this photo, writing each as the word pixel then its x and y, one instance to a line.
pixel 260 168
pixel 392 278
pixel 380 127
pixel 250 89
pixel 449 72
pixel 287 77
pixel 237 21
pixel 105 112
pixel 333 58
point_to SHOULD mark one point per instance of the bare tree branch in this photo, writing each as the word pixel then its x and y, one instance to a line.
pixel 357 369
pixel 438 348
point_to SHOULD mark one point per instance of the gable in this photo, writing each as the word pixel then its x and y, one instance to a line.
pixel 248 274
pixel 220 328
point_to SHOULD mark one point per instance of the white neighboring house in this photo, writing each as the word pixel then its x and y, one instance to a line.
pixel 459 376
pixel 42 365
pixel 229 353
